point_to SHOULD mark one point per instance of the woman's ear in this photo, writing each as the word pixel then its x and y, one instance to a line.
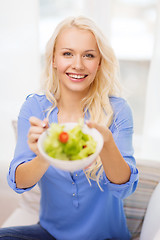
pixel 54 64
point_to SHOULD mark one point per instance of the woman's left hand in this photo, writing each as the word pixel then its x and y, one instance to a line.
pixel 105 132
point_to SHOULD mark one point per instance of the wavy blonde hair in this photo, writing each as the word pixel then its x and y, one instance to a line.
pixel 105 84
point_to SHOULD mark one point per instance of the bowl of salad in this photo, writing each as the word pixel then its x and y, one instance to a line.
pixel 70 146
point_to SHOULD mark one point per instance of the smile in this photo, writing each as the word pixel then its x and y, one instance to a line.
pixel 77 76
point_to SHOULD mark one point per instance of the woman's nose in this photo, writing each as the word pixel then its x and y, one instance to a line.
pixel 78 63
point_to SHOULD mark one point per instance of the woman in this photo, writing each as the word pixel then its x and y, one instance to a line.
pixel 80 81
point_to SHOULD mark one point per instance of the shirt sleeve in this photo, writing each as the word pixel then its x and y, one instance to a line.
pixel 122 130
pixel 22 151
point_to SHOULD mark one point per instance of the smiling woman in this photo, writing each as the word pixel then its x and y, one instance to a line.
pixel 80 81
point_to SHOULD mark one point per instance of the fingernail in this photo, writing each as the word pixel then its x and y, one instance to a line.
pixel 43 124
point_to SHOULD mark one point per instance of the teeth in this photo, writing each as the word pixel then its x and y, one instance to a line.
pixel 76 76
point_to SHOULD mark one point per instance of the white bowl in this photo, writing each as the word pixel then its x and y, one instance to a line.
pixel 78 164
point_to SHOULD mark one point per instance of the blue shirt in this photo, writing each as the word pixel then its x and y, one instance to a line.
pixel 71 208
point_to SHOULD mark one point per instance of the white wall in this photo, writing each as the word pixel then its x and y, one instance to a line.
pixel 151 134
pixel 101 12
pixel 19 66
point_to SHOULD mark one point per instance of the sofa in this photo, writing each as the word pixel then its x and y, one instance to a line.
pixel 142 208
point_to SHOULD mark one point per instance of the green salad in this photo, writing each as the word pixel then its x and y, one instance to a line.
pixel 68 145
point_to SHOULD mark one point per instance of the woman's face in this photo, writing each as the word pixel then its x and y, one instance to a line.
pixel 76 59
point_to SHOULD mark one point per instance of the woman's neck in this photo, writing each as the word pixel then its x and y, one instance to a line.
pixel 70 108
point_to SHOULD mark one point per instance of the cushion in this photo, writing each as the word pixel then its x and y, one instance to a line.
pixel 151 223
pixel 20 217
pixel 157 236
pixel 135 205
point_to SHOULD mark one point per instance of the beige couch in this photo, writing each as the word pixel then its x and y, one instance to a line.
pixel 141 208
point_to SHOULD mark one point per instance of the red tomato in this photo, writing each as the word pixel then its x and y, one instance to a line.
pixel 63 137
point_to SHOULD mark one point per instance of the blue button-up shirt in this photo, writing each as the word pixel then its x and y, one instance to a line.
pixel 71 208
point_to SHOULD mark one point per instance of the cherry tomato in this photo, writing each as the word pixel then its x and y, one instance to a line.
pixel 63 137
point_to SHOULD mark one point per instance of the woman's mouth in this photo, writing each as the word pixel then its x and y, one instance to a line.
pixel 76 77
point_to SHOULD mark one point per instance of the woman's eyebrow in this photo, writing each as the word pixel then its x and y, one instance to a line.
pixel 67 49
pixel 88 50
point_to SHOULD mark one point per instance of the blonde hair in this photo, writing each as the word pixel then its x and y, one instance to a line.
pixel 105 84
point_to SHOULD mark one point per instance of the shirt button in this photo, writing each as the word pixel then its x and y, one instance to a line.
pixel 73 183
pixel 74 194
pixel 76 175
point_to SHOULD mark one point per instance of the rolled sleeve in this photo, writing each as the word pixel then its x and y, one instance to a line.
pixel 123 190
pixel 11 178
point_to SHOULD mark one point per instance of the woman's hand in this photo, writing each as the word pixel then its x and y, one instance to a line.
pixel 37 128
pixel 105 132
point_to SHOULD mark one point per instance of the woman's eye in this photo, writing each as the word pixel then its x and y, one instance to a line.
pixel 67 54
pixel 89 55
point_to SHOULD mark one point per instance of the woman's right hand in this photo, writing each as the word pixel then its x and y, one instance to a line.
pixel 37 128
